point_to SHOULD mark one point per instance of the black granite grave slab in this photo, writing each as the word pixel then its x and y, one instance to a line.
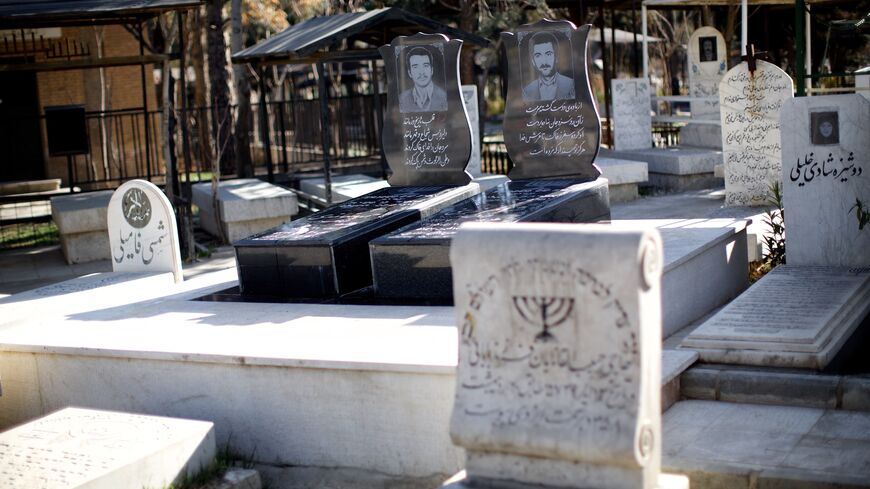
pixel 414 262
pixel 326 254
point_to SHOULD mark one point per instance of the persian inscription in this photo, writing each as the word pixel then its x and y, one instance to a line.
pixel 132 247
pixel 789 305
pixel 840 166
pixel 73 446
pixel 425 141
pixel 750 106
pixel 535 374
pixel 554 129
pixel 142 231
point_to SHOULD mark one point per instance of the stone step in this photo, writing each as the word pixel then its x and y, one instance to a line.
pixel 776 386
pixel 743 446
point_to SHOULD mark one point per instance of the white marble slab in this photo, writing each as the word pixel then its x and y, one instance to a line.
pixel 826 168
pixel 244 206
pixel 83 448
pixel 795 316
pixel 632 121
pixel 560 354
pixel 469 98
pixel 143 236
pixel 750 103
pixel 159 351
pixel 619 172
pixel 80 212
pixel 708 61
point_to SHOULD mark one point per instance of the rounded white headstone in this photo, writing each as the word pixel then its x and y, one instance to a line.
pixel 142 233
pixel 750 106
pixel 708 62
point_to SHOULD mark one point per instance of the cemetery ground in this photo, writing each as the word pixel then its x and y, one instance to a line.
pixel 258 371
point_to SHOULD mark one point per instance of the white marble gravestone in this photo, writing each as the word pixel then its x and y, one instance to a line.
pixel 631 114
pixel 826 168
pixel 750 104
pixel 143 236
pixel 559 355
pixel 469 97
pixel 795 316
pixel 84 448
pixel 708 61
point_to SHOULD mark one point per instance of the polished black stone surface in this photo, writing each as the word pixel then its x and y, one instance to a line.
pixel 414 262
pixel 326 254
pixel 551 125
pixel 426 137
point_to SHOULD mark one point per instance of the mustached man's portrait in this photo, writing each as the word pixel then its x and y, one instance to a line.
pixel 548 83
pixel 421 69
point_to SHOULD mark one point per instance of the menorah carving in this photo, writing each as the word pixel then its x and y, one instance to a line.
pixel 544 312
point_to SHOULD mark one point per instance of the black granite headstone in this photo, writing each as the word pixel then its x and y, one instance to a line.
pixel 427 136
pixel 326 254
pixel 414 262
pixel 427 143
pixel 552 134
pixel 551 126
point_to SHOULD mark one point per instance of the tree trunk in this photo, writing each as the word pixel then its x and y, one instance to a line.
pixel 220 96
pixel 200 97
pixel 243 97
pixel 730 27
pixel 707 16
pixel 467 16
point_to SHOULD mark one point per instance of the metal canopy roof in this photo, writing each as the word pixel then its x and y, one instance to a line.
pixel 694 3
pixel 305 42
pixel 26 13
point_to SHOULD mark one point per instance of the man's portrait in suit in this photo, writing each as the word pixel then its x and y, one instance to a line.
pixel 424 95
pixel 549 84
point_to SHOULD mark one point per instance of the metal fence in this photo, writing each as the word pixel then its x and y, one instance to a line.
pixel 26 221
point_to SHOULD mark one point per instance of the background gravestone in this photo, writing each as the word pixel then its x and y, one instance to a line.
pixel 826 168
pixel 551 128
pixel 708 61
pixel 632 122
pixel 750 104
pixel 559 355
pixel 469 97
pixel 143 236
pixel 426 136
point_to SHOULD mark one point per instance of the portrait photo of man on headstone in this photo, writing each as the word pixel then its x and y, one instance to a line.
pixel 422 66
pixel 548 84
pixel 707 48
pixel 824 128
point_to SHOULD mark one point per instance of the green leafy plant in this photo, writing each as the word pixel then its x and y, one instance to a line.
pixel 862 213
pixel 775 240
pixel 775 220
